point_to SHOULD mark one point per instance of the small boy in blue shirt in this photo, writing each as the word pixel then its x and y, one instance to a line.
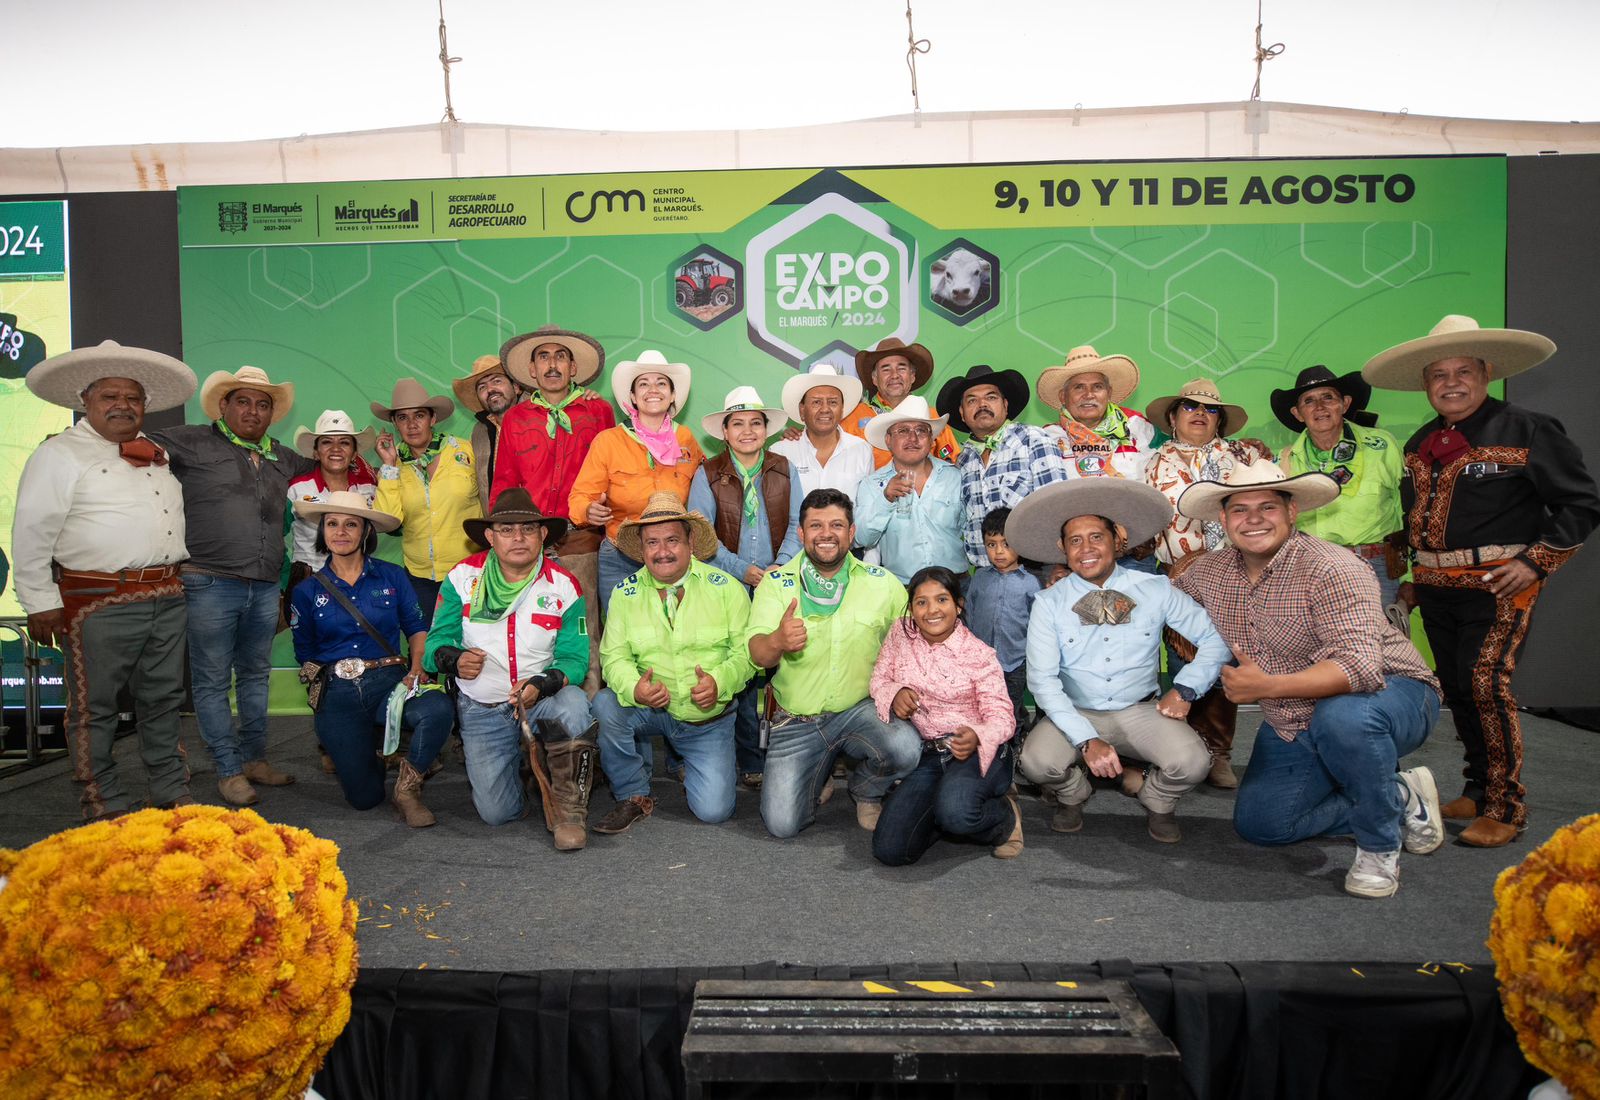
pixel 999 599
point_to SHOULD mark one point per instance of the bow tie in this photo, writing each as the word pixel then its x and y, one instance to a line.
pixel 1104 605
pixel 142 452
pixel 1443 445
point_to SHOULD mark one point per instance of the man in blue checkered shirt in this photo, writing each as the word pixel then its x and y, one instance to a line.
pixel 1004 461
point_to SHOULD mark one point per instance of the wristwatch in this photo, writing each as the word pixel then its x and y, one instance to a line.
pixel 1185 692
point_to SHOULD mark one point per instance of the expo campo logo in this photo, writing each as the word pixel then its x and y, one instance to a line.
pixel 832 272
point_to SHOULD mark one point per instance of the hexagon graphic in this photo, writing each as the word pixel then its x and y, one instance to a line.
pixel 831 271
pixel 289 275
pixel 1218 314
pixel 707 287
pixel 596 295
pixel 839 355
pixel 1393 253
pixel 963 281
pixel 513 260
pixel 1066 296
pixel 480 332
pixel 429 314
pixel 1149 246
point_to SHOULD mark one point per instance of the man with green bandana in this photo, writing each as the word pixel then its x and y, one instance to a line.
pixel 819 622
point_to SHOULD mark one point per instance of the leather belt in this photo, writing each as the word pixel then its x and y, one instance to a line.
pixel 353 668
pixel 152 574
pixel 1369 551
pixel 1477 555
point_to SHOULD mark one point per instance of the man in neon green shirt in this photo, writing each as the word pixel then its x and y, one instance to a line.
pixel 1338 438
pixel 674 657
pixel 819 622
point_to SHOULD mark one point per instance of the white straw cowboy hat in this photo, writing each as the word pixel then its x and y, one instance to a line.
pixel 911 408
pixel 1203 500
pixel 219 384
pixel 741 399
pixel 1034 527
pixel 663 508
pixel 1120 371
pixel 346 503
pixel 466 387
pixel 821 374
pixel 409 394
pixel 1510 350
pixel 332 422
pixel 649 362
pixel 61 379
pixel 1202 391
pixel 588 357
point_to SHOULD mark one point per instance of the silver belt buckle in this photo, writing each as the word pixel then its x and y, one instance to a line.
pixel 349 668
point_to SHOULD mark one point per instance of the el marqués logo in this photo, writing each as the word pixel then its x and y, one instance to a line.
pixel 19 350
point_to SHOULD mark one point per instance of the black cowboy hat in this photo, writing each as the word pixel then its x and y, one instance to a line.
pixel 1352 385
pixel 514 506
pixel 1012 386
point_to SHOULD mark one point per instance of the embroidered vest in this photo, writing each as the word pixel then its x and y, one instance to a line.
pixel 728 491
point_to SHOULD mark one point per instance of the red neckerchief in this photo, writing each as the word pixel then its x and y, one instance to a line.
pixel 1443 445
pixel 142 452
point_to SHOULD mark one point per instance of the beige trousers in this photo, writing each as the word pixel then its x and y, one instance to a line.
pixel 1178 757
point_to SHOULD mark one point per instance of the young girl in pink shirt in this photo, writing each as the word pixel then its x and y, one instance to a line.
pixel 935 673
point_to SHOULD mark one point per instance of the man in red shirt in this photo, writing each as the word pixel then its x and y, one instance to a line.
pixel 543 441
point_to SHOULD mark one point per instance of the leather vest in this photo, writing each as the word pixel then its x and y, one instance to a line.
pixel 728 491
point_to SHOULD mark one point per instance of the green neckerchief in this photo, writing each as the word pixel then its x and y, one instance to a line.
pixel 1114 425
pixel 1344 468
pixel 495 595
pixel 673 599
pixel 984 446
pixel 821 595
pixel 650 459
pixel 263 447
pixel 558 418
pixel 876 402
pixel 751 483
pixel 425 459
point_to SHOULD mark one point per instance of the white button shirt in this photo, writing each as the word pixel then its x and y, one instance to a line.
pixel 81 504
pixel 851 461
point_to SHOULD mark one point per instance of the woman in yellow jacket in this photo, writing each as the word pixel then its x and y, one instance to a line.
pixel 428 482
pixel 645 455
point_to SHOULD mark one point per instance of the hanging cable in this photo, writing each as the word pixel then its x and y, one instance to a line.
pixel 914 46
pixel 445 60
pixel 1262 55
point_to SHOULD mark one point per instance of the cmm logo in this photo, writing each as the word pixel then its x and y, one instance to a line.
pixel 610 198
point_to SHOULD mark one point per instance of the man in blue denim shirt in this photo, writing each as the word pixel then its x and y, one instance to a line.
pixel 910 508
pixel 1093 652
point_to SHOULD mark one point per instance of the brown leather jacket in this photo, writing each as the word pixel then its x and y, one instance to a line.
pixel 728 491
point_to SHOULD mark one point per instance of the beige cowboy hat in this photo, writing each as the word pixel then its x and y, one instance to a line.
pixel 1034 528
pixel 1202 391
pixel 514 505
pixel 920 358
pixel 219 384
pixel 649 362
pixel 346 503
pixel 912 408
pixel 1203 499
pixel 588 357
pixel 741 399
pixel 1120 371
pixel 1510 350
pixel 332 422
pixel 663 508
pixel 466 387
pixel 820 374
pixel 409 394
pixel 61 379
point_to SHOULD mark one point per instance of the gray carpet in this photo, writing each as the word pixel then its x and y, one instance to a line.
pixel 674 892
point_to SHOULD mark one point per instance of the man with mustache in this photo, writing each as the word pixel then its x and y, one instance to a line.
pixel 98 535
pixel 488 392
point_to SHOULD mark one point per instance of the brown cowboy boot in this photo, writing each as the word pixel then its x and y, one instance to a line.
pixel 571 765
pixel 408 797
pixel 1213 716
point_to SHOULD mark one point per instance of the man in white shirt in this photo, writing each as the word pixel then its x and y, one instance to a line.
pixel 823 456
pixel 98 536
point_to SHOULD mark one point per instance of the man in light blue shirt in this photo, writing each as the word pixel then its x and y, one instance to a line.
pixel 1093 652
pixel 910 508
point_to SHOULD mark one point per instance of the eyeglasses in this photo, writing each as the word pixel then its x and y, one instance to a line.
pixel 507 530
pixel 1189 406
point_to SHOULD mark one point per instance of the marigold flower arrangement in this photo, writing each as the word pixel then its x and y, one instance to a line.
pixel 188 953
pixel 1545 937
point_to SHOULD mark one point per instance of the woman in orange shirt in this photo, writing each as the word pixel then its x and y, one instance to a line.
pixel 627 464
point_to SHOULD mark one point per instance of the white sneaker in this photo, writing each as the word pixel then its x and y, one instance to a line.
pixel 1373 874
pixel 1421 820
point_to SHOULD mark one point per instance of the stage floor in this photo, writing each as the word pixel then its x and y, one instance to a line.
pixel 677 893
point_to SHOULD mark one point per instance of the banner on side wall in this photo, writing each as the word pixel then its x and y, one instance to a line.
pixel 1242 271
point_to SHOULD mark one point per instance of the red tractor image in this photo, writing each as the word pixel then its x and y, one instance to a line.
pixel 704 282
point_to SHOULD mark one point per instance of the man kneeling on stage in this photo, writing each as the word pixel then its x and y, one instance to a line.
pixel 1344 693
pixel 510 628
pixel 674 657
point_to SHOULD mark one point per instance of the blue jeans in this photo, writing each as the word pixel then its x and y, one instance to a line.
pixel 1388 588
pixel 800 754
pixel 492 744
pixel 231 625
pixel 350 727
pixel 614 566
pixel 944 795
pixel 707 752
pixel 1337 777
pixel 747 725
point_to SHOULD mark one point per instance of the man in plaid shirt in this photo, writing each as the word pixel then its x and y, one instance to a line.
pixel 1345 695
pixel 1004 461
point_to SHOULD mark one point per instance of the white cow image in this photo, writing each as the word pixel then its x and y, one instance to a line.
pixel 960 280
